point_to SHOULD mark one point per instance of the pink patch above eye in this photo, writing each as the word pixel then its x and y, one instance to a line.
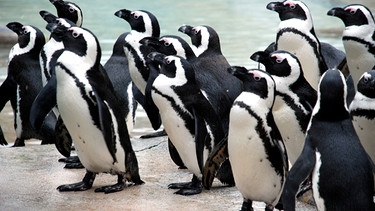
pixel 351 9
pixel 289 3
pixel 279 59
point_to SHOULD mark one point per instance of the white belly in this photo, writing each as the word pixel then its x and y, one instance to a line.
pixel 181 138
pixel 87 138
pixel 252 171
pixel 365 129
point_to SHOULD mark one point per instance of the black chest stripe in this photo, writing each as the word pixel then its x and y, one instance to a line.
pixel 370 46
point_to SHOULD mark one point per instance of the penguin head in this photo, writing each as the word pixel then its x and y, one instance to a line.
pixel 290 9
pixel 366 84
pixel 332 91
pixel 80 41
pixel 203 38
pixel 170 45
pixel 50 18
pixel 68 10
pixel 279 63
pixel 353 15
pixel 29 37
pixel 141 21
pixel 173 67
pixel 254 80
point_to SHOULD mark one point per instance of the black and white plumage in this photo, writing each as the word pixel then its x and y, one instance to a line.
pixel 295 98
pixel 24 72
pixel 296 34
pixel 358 38
pixel 189 119
pixel 68 10
pixel 255 146
pixel 91 113
pixel 362 111
pixel 341 171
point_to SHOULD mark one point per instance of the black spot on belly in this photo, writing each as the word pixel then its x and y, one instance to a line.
pixel 261 160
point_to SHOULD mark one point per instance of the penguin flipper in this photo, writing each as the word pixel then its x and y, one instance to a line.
pixel 200 137
pixel 106 125
pixel 218 155
pixel 149 105
pixel 63 141
pixel 299 172
pixel 8 91
pixel 43 104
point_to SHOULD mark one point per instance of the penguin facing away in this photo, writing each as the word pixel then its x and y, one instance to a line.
pixel 91 113
pixel 358 38
pixel 294 101
pixel 331 140
pixel 296 34
pixel 363 113
pixel 255 146
pixel 24 69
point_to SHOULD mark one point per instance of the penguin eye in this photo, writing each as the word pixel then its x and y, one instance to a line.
pixel 292 6
pixel 71 9
pixel 75 34
pixel 256 78
pixel 167 44
pixel 279 60
pixel 352 11
pixel 136 16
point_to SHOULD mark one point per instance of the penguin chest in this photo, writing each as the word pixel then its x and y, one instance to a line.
pixel 290 129
pixel 176 126
pixel 365 130
pixel 359 58
pixel 254 175
pixel 88 139
pixel 302 47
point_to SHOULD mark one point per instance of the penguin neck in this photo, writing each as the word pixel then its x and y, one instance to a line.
pixel 365 31
pixel 17 50
pixel 302 25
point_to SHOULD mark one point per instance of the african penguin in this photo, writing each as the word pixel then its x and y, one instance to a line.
pixel 189 119
pixel 68 10
pixel 255 146
pixel 24 69
pixel 294 101
pixel 341 171
pixel 296 34
pixel 90 111
pixel 358 38
pixel 363 113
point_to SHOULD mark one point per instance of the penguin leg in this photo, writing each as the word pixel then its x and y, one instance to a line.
pixel 269 207
pixel 85 184
pixel 19 142
pixel 72 162
pixel 247 205
pixel 119 186
pixel 188 188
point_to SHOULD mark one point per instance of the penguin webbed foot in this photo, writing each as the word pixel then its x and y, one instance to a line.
pixel 154 135
pixel 119 186
pixel 85 184
pixel 187 188
pixel 72 162
pixel 19 143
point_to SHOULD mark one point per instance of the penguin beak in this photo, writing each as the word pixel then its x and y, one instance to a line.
pixel 236 70
pixel 57 2
pixel 150 41
pixel 259 56
pixel 337 12
pixel 186 29
pixel 124 14
pixel 156 57
pixel 275 6
pixel 57 29
pixel 15 27
pixel 48 17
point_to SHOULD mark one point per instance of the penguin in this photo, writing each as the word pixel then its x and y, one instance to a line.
pixel 358 38
pixel 91 113
pixel 362 112
pixel 294 101
pixel 8 92
pixel 330 141
pixel 143 24
pixel 296 34
pixel 68 10
pixel 189 119
pixel 24 69
pixel 255 147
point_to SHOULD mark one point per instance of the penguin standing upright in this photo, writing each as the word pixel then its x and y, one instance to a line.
pixel 341 171
pixel 90 111
pixel 294 101
pixel 189 119
pixel 358 38
pixel 296 34
pixel 255 146
pixel 24 69
pixel 362 111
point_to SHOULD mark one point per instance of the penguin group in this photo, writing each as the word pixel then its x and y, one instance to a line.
pixel 305 117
